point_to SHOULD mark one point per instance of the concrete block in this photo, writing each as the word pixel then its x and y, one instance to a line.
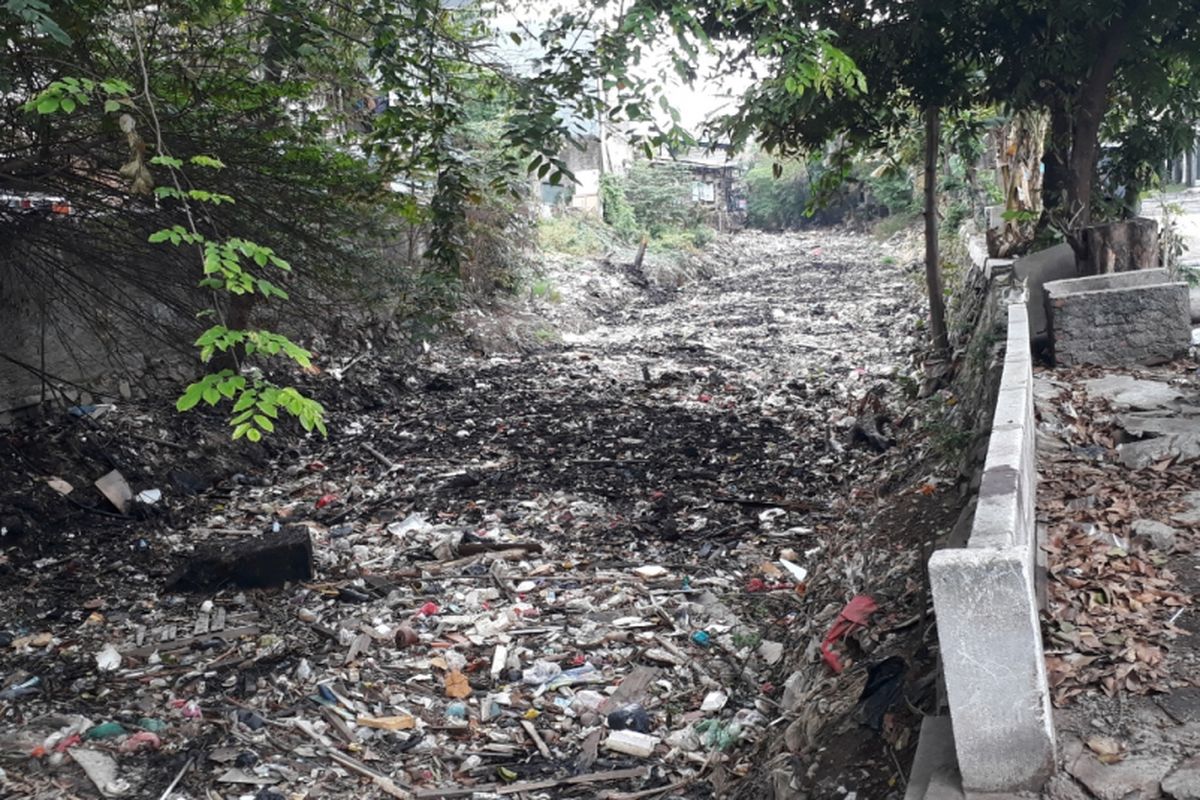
pixel 935 752
pixel 1018 350
pixel 1036 270
pixel 1005 513
pixel 1112 280
pixel 1136 317
pixel 998 267
pixel 1014 402
pixel 991 648
pixel 272 559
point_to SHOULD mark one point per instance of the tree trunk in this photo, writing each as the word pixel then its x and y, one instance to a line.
pixel 1091 101
pixel 933 272
pixel 1121 246
pixel 1054 161
pixel 1019 150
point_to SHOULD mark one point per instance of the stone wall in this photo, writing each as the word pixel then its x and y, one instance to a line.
pixel 985 598
pixel 1139 317
pixel 88 351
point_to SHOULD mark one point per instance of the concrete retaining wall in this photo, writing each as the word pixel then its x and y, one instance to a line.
pixel 1138 317
pixel 985 598
pixel 1037 269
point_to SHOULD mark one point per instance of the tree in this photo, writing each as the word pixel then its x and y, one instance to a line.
pixel 343 129
pixel 1075 60
pixel 840 78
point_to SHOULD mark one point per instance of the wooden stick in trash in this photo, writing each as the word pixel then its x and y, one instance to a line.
pixel 385 783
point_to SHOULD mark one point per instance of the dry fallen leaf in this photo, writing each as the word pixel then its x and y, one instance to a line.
pixel 400 723
pixel 457 686
pixel 1108 749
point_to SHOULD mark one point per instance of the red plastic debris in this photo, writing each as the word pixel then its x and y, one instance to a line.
pixel 759 585
pixel 704 397
pixel 326 499
pixel 853 616
pixel 70 741
pixel 142 740
pixel 429 609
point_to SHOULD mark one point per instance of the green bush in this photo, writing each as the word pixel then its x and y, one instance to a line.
pixel 618 213
pixel 776 203
pixel 660 195
pixel 573 234
pixel 682 239
pixel 894 191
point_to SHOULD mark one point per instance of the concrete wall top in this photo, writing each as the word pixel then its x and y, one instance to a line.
pixel 1115 280
pixel 984 596
pixel 1004 516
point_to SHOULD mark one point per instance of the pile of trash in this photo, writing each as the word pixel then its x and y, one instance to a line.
pixel 644 563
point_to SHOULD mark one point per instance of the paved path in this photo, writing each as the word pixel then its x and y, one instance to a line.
pixel 1185 209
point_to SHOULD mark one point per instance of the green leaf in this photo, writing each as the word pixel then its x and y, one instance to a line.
pixel 207 161
pixel 241 430
pixel 253 435
pixel 246 400
pixel 264 423
pixel 160 236
pixel 111 106
pixel 47 105
pixel 167 161
pixel 227 388
pixel 211 395
pixel 190 397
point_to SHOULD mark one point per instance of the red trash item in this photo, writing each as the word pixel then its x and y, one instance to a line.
pixel 428 609
pixel 852 617
pixel 759 585
pixel 142 740
pixel 326 499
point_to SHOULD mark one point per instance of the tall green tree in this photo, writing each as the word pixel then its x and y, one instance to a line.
pixel 1083 61
pixel 842 78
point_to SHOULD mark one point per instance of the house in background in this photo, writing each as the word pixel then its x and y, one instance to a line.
pixel 603 150
pixel 716 184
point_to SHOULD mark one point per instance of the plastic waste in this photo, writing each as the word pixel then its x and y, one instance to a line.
pixel 885 681
pixel 631 717
pixel 852 617
pixel 541 672
pixel 714 701
pixel 23 689
pixel 631 743
pixel 108 659
pixel 142 740
pixel 105 730
pixel 718 734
